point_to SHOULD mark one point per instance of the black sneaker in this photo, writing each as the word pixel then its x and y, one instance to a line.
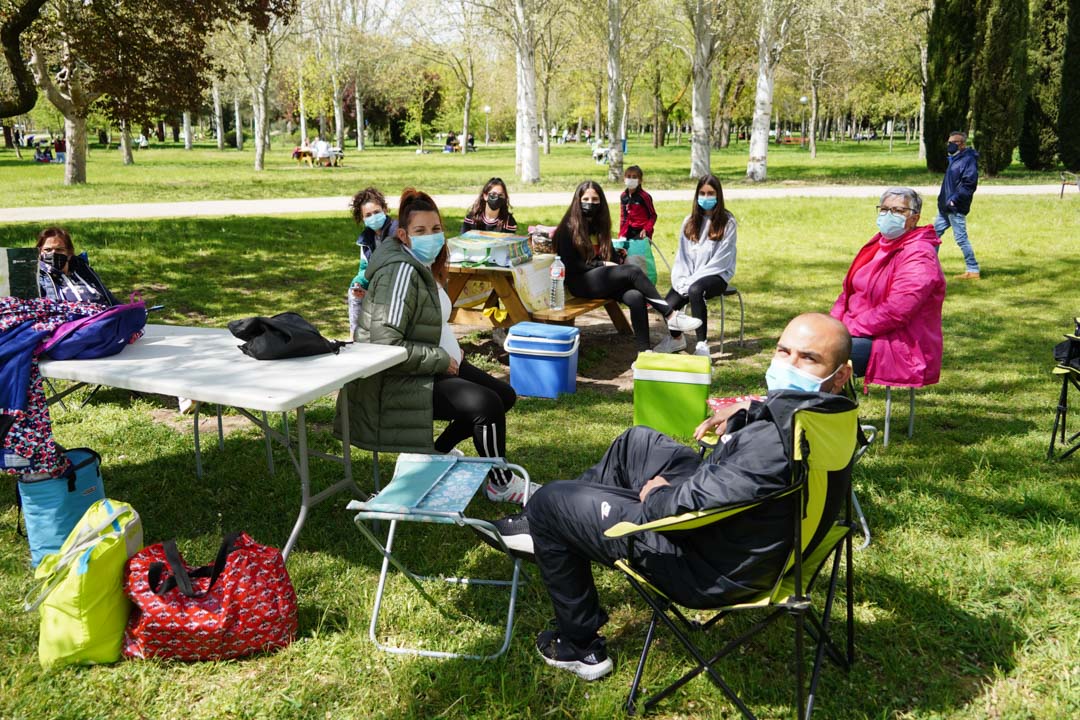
pixel 514 531
pixel 591 663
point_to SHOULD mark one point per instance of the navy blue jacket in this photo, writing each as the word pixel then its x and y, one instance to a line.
pixel 960 182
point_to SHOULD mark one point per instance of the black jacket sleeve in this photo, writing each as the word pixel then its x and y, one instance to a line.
pixel 751 465
pixel 564 248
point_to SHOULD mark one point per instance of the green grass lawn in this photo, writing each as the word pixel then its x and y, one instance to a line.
pixel 966 602
pixel 168 173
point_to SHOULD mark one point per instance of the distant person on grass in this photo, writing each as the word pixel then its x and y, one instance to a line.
pixel 595 270
pixel 704 262
pixel 954 199
pixel 491 210
pixel 892 297
pixel 407 305
pixel 646 475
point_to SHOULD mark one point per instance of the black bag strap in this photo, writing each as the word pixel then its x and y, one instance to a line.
pixel 180 577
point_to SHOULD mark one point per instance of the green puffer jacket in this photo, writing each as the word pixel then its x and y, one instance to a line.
pixel 392 411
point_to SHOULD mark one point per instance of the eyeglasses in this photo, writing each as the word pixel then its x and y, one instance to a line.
pixel 894 211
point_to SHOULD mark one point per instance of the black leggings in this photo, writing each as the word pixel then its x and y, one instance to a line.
pixel 629 285
pixel 475 404
pixel 700 291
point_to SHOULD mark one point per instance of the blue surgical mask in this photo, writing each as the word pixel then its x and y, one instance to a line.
pixel 426 247
pixel 891 226
pixel 375 222
pixel 785 376
pixel 706 203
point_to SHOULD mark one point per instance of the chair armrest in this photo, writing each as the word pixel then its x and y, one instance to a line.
pixel 695 519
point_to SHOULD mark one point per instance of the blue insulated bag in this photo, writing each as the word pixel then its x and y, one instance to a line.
pixel 53 507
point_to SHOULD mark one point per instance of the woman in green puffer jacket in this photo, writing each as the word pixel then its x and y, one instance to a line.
pixel 407 305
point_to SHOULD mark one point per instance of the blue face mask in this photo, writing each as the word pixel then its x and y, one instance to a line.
pixel 706 203
pixel 426 247
pixel 785 376
pixel 891 226
pixel 375 222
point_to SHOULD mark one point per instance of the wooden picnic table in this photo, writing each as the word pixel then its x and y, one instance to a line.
pixel 504 291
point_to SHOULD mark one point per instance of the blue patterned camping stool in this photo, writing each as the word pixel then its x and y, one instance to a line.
pixel 433 489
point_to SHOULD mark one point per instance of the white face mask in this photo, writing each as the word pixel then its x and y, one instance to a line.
pixel 631 183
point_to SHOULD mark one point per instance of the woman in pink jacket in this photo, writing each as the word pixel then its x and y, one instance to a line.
pixel 892 298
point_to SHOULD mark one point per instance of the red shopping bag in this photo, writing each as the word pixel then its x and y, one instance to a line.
pixel 242 604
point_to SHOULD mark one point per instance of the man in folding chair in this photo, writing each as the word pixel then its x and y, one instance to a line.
pixel 646 475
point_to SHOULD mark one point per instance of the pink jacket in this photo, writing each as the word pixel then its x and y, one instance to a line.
pixel 906 293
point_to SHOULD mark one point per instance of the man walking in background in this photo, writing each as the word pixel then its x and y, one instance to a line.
pixel 954 200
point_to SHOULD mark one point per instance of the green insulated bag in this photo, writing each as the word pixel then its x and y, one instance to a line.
pixel 671 392
pixel 79 589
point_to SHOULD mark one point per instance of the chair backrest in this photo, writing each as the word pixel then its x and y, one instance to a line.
pixel 823 452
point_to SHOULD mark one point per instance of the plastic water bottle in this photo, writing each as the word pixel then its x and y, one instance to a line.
pixel 557 292
pixel 354 309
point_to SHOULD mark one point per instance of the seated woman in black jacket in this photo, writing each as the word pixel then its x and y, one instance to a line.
pixel 63 275
pixel 594 270
pixel 491 210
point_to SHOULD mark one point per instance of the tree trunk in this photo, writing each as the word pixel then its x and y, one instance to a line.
pixel 339 112
pixel 188 139
pixel 75 167
pixel 530 149
pixel 126 155
pixel 922 96
pixel 597 111
pixel 238 128
pixel 577 135
pixel 614 89
pixel 300 100
pixel 359 119
pixel 258 107
pixel 519 126
pixel 656 108
pixel 756 167
pixel 813 119
pixel 219 121
pixel 544 121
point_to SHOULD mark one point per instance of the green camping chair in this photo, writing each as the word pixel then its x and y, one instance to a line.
pixel 824 442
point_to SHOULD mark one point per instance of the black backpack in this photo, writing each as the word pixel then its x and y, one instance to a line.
pixel 286 335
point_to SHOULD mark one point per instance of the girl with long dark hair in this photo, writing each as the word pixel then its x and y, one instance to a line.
pixel 491 210
pixel 595 270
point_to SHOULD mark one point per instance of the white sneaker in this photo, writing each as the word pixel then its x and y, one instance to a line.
pixel 671 345
pixel 512 492
pixel 681 322
pixel 702 349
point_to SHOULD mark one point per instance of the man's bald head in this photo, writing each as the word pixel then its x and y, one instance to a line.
pixel 818 344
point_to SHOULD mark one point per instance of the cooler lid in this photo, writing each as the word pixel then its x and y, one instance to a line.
pixel 673 363
pixel 548 332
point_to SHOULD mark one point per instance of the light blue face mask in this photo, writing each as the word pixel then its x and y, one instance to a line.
pixel 785 376
pixel 426 247
pixel 706 203
pixel 891 226
pixel 375 222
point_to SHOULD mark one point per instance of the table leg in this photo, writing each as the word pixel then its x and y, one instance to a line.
pixel 305 481
pixel 198 449
pixel 508 294
pixel 618 319
pixel 454 287
pixel 269 444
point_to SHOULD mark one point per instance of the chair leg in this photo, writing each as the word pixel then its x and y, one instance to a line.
pixel 722 318
pixel 800 708
pixel 911 413
pixel 1059 416
pixel 742 317
pixel 862 520
pixel 888 414
pixel 650 635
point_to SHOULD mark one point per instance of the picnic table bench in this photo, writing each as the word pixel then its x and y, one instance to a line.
pixel 504 291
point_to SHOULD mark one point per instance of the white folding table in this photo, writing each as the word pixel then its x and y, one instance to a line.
pixel 206 365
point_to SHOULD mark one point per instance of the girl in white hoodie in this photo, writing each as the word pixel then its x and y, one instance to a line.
pixel 704 262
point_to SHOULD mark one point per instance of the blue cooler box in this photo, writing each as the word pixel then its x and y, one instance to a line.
pixel 543 359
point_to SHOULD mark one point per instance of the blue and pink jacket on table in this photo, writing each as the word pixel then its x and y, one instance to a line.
pixel 899 306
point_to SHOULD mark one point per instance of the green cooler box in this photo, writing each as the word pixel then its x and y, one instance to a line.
pixel 671 392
